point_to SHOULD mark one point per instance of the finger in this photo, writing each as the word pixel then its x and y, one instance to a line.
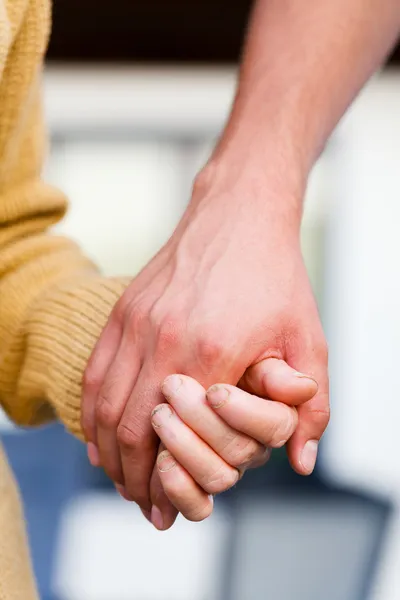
pixel 111 401
pixel 163 513
pixel 124 494
pixel 212 473
pixel 136 438
pixel 93 454
pixel 97 367
pixel 184 493
pixel 188 398
pixel 275 379
pixel 271 423
pixel 313 417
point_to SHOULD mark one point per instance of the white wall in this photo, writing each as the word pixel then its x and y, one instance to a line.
pixel 363 293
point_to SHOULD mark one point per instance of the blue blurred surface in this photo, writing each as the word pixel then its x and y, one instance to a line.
pixel 50 466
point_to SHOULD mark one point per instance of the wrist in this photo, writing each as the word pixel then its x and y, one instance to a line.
pixel 260 160
pixel 266 184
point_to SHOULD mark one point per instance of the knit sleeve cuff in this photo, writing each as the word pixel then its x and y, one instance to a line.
pixel 60 336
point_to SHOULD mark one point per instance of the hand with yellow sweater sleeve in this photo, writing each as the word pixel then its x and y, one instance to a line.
pixel 53 302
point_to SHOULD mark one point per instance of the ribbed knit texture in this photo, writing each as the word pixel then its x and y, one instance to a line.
pixel 53 303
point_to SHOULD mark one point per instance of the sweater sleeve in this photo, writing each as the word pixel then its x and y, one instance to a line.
pixel 49 333
pixel 53 302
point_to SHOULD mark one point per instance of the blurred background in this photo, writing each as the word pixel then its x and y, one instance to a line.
pixel 135 94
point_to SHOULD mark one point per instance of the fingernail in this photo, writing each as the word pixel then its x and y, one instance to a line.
pixel 157 518
pixel 165 461
pixel 217 395
pixel 93 454
pixel 146 514
pixel 308 456
pixel 304 376
pixel 171 385
pixel 160 415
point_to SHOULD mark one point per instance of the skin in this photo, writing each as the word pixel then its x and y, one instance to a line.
pixel 210 438
pixel 230 290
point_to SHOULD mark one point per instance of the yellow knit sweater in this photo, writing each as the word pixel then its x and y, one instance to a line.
pixel 53 303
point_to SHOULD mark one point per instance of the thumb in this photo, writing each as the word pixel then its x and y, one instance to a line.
pixel 304 385
pixel 302 448
pixel 274 379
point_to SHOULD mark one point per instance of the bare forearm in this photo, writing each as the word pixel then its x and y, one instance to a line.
pixel 303 64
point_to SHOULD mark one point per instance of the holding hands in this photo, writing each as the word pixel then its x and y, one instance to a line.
pixel 227 299
pixel 210 438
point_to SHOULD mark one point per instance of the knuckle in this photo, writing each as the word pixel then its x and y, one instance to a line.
pixel 283 428
pixel 92 377
pixel 221 481
pixel 119 310
pixel 168 327
pixel 168 334
pixel 127 437
pixel 135 315
pixel 172 488
pixel 210 351
pixel 193 510
pixel 320 417
pixel 107 415
pixel 262 458
pixel 242 452
pixel 199 513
